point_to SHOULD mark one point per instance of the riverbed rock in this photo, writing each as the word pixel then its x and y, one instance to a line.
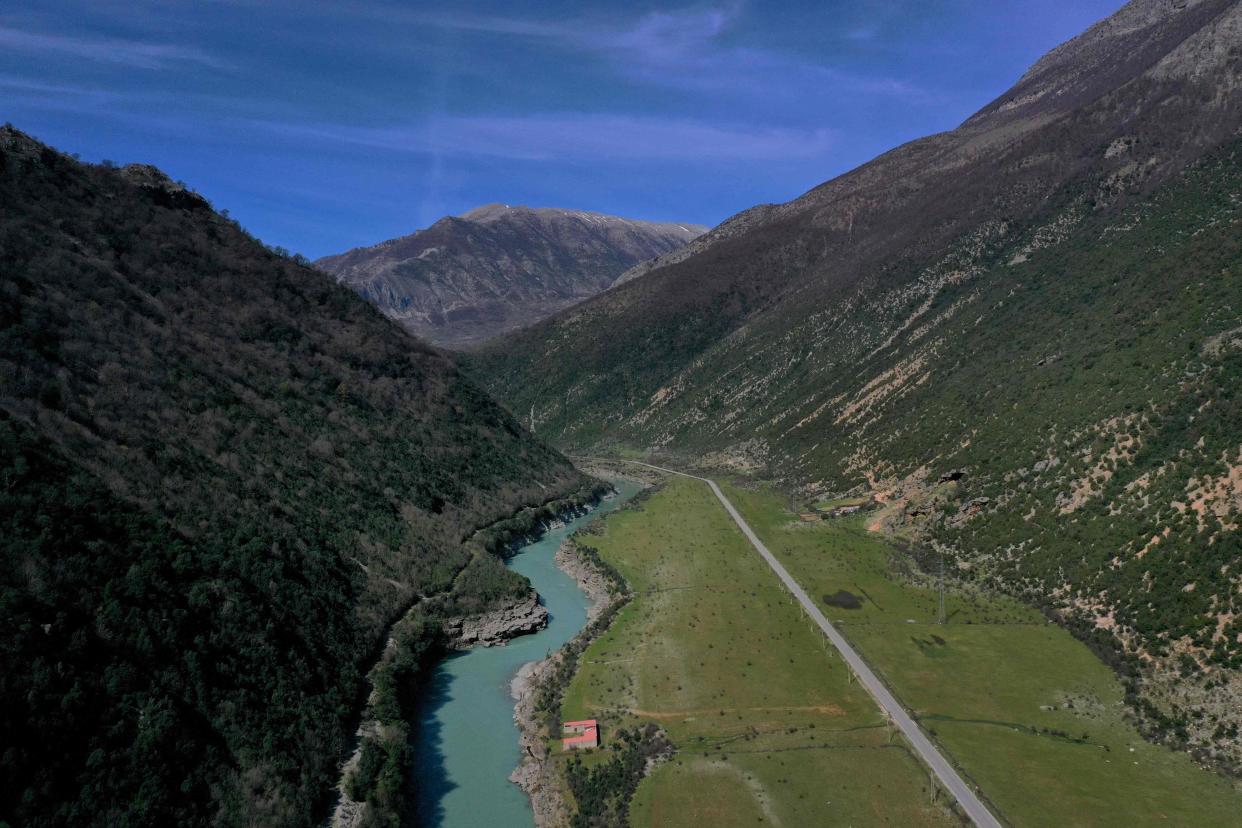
pixel 590 580
pixel 498 626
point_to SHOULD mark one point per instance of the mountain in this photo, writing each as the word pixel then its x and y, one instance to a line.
pixel 224 477
pixel 467 278
pixel 1023 336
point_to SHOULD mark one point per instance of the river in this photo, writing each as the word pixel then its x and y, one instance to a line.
pixel 466 743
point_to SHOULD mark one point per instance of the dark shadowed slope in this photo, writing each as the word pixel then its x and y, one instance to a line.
pixel 1046 299
pixel 222 476
pixel 467 278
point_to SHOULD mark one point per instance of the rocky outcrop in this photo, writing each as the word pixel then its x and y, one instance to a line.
pixel 489 629
pixel 590 580
pixel 518 540
pixel 162 189
pixel 969 509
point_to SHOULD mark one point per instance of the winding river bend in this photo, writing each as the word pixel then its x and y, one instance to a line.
pixel 466 743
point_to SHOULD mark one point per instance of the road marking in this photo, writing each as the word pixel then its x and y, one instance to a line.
pixel 931 755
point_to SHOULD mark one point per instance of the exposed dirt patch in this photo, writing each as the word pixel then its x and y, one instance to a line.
pixel 826 709
pixel 1124 444
pixel 1221 495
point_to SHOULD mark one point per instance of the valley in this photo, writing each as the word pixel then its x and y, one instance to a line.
pixel 765 719
pixel 1020 334
pixel 766 724
pixel 911 500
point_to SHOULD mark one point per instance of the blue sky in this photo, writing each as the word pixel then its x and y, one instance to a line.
pixel 326 125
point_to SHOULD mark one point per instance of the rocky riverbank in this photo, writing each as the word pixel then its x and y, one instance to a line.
pixel 489 629
pixel 539 777
pixel 590 579
pixel 536 775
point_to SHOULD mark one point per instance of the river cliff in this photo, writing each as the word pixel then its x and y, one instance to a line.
pixel 488 629
pixel 466 742
pixel 457 634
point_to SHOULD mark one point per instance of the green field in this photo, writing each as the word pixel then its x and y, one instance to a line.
pixel 767 726
pixel 1026 710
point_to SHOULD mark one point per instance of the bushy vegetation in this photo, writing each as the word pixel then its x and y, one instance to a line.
pixel 616 583
pixel 226 477
pixel 602 790
pixel 382 775
pixel 994 681
pixel 550 692
pixel 139 665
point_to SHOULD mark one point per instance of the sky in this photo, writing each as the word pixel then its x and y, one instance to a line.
pixel 323 126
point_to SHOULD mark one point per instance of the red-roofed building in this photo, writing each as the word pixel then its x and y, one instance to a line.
pixel 586 735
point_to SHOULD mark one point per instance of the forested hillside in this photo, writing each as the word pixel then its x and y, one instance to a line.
pixel 223 477
pixel 1021 336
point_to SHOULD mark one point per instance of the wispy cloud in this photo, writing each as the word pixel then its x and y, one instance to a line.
pixel 577 137
pixel 657 33
pixel 19 84
pixel 65 97
pixel 863 33
pixel 135 53
pixel 686 48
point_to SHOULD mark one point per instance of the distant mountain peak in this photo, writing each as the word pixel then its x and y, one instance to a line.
pixel 496 267
pixel 488 211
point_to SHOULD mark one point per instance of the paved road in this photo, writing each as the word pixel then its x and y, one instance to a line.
pixel 945 772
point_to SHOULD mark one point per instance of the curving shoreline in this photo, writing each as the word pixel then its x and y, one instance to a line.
pixel 464 741
pixel 496 627
pixel 535 775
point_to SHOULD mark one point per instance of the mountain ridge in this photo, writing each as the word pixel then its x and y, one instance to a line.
pixel 497 267
pixel 864 338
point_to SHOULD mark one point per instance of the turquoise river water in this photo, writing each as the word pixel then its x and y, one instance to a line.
pixel 466 743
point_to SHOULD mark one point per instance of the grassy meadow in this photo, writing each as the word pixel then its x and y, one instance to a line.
pixel 767 726
pixel 1026 710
